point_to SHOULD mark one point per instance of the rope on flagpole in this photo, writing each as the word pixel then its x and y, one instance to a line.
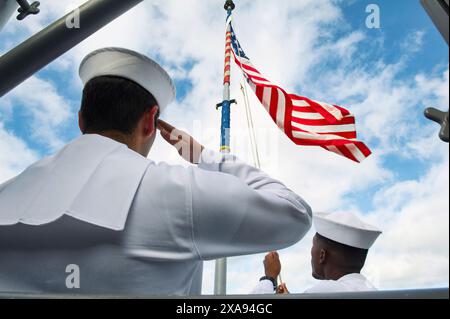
pixel 220 280
pixel 251 128
pixel 250 122
pixel 248 113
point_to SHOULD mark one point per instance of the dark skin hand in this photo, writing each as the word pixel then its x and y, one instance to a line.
pixel 282 289
pixel 272 264
pixel 186 145
pixel 272 267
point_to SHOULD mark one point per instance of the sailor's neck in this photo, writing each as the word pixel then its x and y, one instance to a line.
pixel 128 140
pixel 338 274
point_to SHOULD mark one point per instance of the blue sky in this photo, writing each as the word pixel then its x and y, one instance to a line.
pixel 322 49
pixel 399 19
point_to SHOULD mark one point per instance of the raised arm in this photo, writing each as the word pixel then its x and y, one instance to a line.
pixel 236 208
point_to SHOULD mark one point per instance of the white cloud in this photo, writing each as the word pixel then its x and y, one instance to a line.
pixel 413 42
pixel 14 155
pixel 434 88
pixel 45 109
pixel 411 253
pixel 415 243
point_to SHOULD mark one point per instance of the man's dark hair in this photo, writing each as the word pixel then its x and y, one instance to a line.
pixel 114 104
pixel 348 258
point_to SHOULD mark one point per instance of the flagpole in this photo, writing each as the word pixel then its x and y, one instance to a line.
pixel 220 280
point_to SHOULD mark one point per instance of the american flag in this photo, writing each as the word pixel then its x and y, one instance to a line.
pixel 304 121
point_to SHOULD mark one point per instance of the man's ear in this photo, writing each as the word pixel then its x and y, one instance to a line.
pixel 81 122
pixel 323 256
pixel 151 119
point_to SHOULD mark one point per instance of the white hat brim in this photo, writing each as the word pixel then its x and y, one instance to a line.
pixel 132 66
pixel 351 231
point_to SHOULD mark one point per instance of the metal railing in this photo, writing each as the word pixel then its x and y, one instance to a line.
pixel 437 293
pixel 46 46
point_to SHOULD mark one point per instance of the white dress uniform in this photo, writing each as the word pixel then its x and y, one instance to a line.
pixel 348 283
pixel 345 228
pixel 132 226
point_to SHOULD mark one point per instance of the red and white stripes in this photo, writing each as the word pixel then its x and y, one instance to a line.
pixel 304 121
pixel 228 50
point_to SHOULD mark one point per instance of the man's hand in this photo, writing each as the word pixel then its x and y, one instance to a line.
pixel 272 265
pixel 185 144
pixel 282 289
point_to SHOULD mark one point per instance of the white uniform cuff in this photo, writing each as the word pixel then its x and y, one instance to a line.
pixel 263 287
pixel 210 160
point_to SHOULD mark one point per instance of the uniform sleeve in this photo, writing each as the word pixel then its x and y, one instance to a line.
pixel 239 210
pixel 325 286
pixel 264 287
pixel 5 184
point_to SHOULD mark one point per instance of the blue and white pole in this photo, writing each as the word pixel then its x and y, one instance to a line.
pixel 220 280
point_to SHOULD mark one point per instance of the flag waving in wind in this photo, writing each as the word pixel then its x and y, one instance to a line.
pixel 304 121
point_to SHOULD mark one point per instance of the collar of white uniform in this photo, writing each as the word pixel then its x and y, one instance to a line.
pixel 93 179
pixel 354 276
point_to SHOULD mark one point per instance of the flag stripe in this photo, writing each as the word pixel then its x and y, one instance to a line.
pixel 274 105
pixel 300 103
pixel 356 152
pixel 334 149
pixel 332 135
pixel 346 152
pixel 325 128
pixel 305 121
pixel 281 110
pixel 267 97
pixel 307 116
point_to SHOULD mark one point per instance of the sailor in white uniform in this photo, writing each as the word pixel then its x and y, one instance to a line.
pixel 338 254
pixel 99 217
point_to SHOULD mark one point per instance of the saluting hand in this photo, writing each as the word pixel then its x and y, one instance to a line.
pixel 185 144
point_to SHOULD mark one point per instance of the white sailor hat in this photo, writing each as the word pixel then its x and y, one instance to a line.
pixel 346 228
pixel 132 66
